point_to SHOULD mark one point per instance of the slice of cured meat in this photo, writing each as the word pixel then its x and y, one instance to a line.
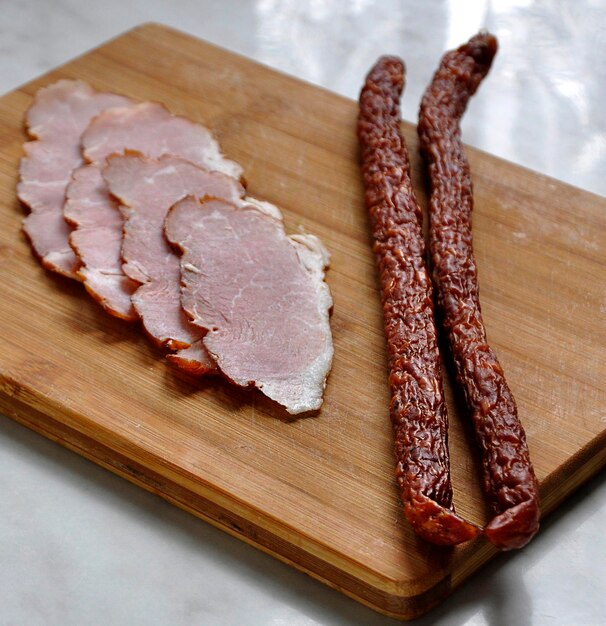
pixel 147 188
pixel 147 128
pixel 152 130
pixel 417 409
pixel 98 241
pixel 260 295
pixel 56 120
pixel 509 478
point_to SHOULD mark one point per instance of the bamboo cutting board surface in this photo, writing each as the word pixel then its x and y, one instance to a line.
pixel 316 492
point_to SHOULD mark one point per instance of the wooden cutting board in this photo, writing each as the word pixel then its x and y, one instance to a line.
pixel 318 492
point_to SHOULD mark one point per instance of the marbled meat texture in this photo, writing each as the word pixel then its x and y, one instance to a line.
pixel 261 296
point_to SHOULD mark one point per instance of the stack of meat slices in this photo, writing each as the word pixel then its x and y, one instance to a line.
pixel 143 208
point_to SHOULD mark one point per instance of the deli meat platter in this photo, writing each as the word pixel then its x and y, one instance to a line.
pixel 317 492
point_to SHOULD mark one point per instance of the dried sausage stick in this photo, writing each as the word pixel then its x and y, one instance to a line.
pixel 417 408
pixel 508 476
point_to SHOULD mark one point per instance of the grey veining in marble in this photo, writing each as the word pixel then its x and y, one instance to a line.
pixel 80 546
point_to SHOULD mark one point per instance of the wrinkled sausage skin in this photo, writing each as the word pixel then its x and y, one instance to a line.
pixel 508 476
pixel 417 410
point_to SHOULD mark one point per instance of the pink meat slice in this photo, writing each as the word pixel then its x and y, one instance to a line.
pixel 146 189
pixel 152 130
pixel 149 129
pixel 98 240
pixel 56 119
pixel 260 295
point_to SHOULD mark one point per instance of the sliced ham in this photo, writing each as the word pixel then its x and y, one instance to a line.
pixel 260 295
pixel 98 240
pixel 55 121
pixel 149 129
pixel 147 188
pixel 152 130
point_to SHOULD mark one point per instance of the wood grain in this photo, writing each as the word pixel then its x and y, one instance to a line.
pixel 317 492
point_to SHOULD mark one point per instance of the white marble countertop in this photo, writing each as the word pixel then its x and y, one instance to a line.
pixel 81 546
